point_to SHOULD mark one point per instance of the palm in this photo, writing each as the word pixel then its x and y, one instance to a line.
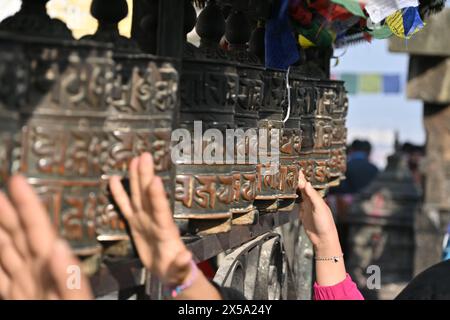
pixel 150 219
pixel 34 262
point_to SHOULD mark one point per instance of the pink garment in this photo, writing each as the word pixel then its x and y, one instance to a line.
pixel 344 290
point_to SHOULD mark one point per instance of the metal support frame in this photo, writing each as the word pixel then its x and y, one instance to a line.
pixel 124 274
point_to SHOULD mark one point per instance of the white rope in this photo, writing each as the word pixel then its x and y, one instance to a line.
pixel 288 90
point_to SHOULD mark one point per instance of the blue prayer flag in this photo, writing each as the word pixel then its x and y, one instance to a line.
pixel 280 43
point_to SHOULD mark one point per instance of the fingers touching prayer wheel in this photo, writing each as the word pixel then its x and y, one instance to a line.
pixel 141 102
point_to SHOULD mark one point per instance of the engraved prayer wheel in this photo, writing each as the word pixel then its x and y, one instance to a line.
pixel 63 148
pixel 290 146
pixel 141 104
pixel 317 127
pixel 343 152
pixel 270 123
pixel 327 96
pixel 338 158
pixel 270 119
pixel 251 87
pixel 249 101
pixel 205 191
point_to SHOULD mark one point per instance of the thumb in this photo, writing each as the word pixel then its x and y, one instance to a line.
pixel 301 181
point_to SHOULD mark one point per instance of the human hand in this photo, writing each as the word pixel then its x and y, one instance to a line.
pixel 152 227
pixel 34 261
pixel 316 217
pixel 318 222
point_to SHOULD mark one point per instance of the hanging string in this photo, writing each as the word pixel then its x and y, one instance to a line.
pixel 288 90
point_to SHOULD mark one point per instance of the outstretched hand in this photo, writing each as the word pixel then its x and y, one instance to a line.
pixel 154 231
pixel 34 261
pixel 318 222
pixel 315 215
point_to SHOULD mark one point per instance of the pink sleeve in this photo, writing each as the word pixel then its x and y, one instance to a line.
pixel 344 290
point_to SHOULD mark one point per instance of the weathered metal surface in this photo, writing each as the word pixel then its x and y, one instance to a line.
pixel 208 94
pixel 299 254
pixel 141 104
pixel 123 274
pixel 337 163
pixel 270 119
pixel 258 269
pixel 140 110
pixel 290 145
pixel 318 99
pixel 209 246
pixel 84 114
pixel 206 187
pixel 249 101
pixel 63 149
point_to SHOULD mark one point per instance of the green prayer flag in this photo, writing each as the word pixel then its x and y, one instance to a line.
pixel 382 32
pixel 351 5
pixel 370 83
pixel 350 82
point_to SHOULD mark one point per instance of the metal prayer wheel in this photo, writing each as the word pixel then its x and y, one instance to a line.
pixel 249 101
pixel 338 158
pixel 63 147
pixel 248 104
pixel 290 146
pixel 141 104
pixel 343 147
pixel 317 124
pixel 270 119
pixel 205 192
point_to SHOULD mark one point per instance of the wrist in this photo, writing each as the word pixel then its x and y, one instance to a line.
pixel 174 289
pixel 328 245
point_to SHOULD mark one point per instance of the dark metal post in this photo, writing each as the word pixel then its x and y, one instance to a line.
pixel 170 29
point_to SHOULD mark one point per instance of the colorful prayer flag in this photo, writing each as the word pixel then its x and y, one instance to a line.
pixel 391 83
pixel 350 82
pixel 369 83
pixel 280 43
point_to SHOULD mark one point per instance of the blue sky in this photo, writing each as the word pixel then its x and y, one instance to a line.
pixel 378 116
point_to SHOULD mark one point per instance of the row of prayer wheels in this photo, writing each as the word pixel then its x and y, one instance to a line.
pixel 74 112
